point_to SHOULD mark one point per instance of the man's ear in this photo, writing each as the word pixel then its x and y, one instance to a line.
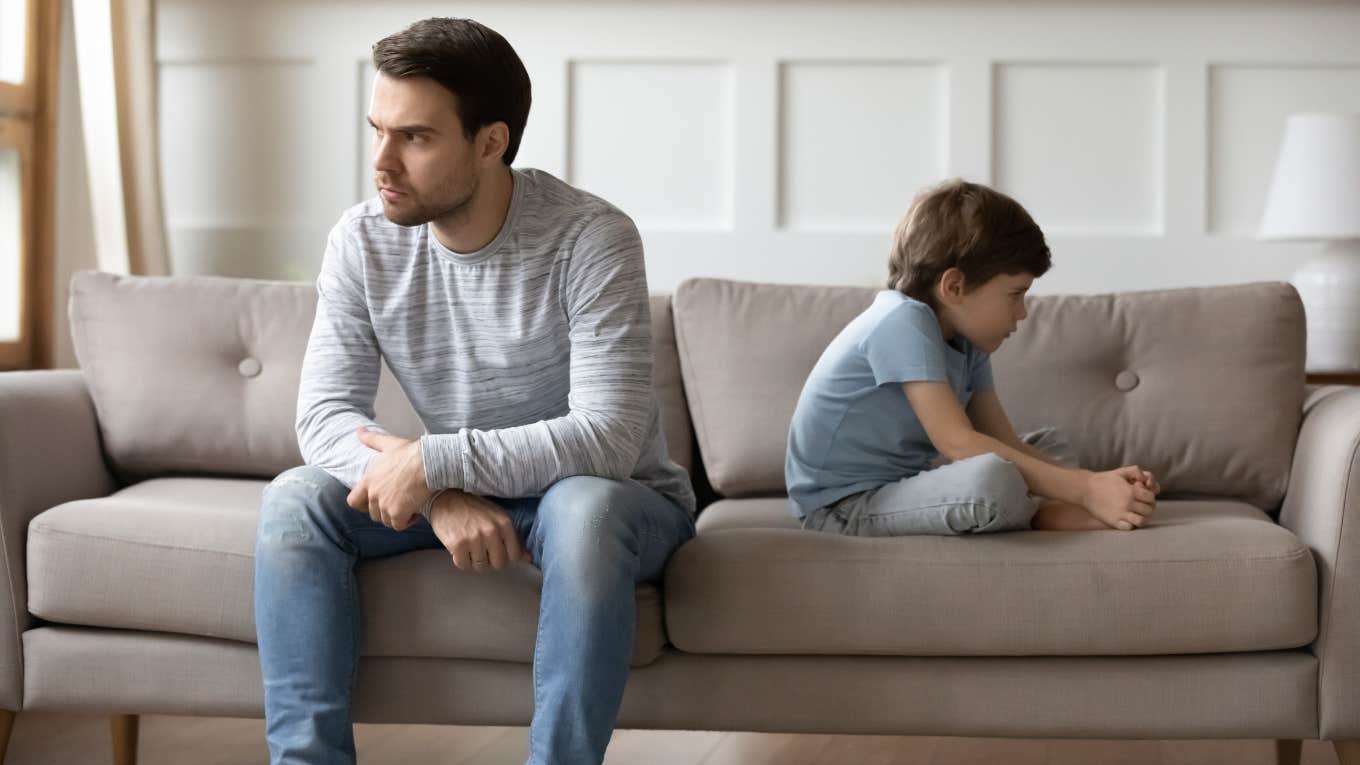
pixel 493 140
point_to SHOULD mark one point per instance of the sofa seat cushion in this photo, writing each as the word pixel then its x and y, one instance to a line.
pixel 1201 577
pixel 177 555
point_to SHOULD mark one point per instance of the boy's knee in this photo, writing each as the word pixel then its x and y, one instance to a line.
pixel 1007 494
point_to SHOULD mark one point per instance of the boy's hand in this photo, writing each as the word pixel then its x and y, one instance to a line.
pixel 1150 482
pixel 1122 498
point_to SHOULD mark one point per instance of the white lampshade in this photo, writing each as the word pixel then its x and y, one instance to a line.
pixel 1315 192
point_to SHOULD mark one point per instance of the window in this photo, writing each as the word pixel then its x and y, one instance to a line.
pixel 13 40
pixel 28 74
pixel 11 242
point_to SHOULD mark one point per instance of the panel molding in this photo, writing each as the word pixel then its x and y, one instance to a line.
pixel 1051 192
pixel 630 130
pixel 794 205
pixel 1234 201
pixel 1181 240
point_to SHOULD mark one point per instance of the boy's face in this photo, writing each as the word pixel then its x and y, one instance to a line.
pixel 989 314
pixel 424 166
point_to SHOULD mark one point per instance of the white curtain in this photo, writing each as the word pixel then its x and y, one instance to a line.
pixel 115 58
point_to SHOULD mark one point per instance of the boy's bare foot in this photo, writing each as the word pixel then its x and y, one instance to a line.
pixel 1056 515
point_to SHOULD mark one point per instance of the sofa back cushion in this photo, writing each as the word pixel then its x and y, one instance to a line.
pixel 1204 386
pixel 199 374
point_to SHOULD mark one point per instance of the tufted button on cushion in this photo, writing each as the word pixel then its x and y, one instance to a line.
pixel 1126 380
pixel 248 367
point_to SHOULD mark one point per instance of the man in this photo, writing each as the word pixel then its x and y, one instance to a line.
pixel 513 310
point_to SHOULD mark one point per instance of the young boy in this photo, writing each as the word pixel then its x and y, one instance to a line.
pixel 907 386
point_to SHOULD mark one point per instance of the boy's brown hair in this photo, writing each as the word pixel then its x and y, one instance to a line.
pixel 967 226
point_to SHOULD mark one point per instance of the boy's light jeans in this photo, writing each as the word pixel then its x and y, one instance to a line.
pixel 592 537
pixel 974 496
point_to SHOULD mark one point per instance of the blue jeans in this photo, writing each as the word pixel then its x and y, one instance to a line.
pixel 974 496
pixel 593 538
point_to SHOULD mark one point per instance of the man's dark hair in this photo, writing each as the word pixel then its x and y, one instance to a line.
pixel 471 61
pixel 976 229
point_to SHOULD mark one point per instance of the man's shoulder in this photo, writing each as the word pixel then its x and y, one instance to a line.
pixel 570 207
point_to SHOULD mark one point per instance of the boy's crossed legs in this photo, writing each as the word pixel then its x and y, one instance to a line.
pixel 978 495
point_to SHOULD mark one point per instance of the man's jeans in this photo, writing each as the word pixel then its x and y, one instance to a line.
pixel 974 496
pixel 592 537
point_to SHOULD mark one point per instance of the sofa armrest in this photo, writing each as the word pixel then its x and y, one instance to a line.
pixel 49 454
pixel 1322 507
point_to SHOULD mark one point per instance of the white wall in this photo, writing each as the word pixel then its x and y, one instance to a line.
pixel 781 142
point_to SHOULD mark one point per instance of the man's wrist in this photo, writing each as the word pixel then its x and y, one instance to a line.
pixel 427 509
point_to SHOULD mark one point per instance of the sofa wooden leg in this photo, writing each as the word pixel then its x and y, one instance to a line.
pixel 124 729
pixel 1288 751
pixel 6 725
pixel 1347 751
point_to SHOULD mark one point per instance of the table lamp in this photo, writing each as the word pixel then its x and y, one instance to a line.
pixel 1315 195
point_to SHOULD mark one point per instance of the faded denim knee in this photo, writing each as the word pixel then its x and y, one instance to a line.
pixel 1006 493
pixel 295 506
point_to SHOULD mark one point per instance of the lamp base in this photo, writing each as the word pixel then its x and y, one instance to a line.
pixel 1329 285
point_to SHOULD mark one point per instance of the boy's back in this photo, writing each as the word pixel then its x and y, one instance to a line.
pixel 853 430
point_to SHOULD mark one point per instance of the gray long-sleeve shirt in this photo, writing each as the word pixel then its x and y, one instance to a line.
pixel 528 361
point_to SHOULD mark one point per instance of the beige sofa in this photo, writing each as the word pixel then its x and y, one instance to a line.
pixel 129 491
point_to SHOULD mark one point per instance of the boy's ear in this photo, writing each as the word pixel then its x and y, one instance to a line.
pixel 951 284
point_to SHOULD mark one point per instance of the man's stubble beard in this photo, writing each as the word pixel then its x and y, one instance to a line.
pixel 452 210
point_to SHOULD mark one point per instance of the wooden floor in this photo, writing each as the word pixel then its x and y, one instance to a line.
pixel 69 739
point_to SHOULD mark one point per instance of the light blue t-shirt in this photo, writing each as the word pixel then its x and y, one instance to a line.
pixel 853 429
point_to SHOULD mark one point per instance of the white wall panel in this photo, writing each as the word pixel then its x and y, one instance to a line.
pixel 1247 108
pixel 1080 144
pixel 231 143
pixel 857 139
pixel 655 138
pixel 240 172
pixel 781 142
pixel 364 186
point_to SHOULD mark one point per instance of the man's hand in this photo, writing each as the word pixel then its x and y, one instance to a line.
pixel 478 535
pixel 393 490
pixel 1122 498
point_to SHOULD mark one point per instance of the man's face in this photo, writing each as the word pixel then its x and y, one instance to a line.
pixel 425 168
pixel 990 313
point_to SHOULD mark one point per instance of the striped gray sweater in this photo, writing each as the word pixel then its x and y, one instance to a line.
pixel 528 361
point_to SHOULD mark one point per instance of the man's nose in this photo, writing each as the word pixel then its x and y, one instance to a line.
pixel 384 156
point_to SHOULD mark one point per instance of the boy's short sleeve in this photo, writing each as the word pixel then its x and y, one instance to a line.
pixel 905 346
pixel 982 373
